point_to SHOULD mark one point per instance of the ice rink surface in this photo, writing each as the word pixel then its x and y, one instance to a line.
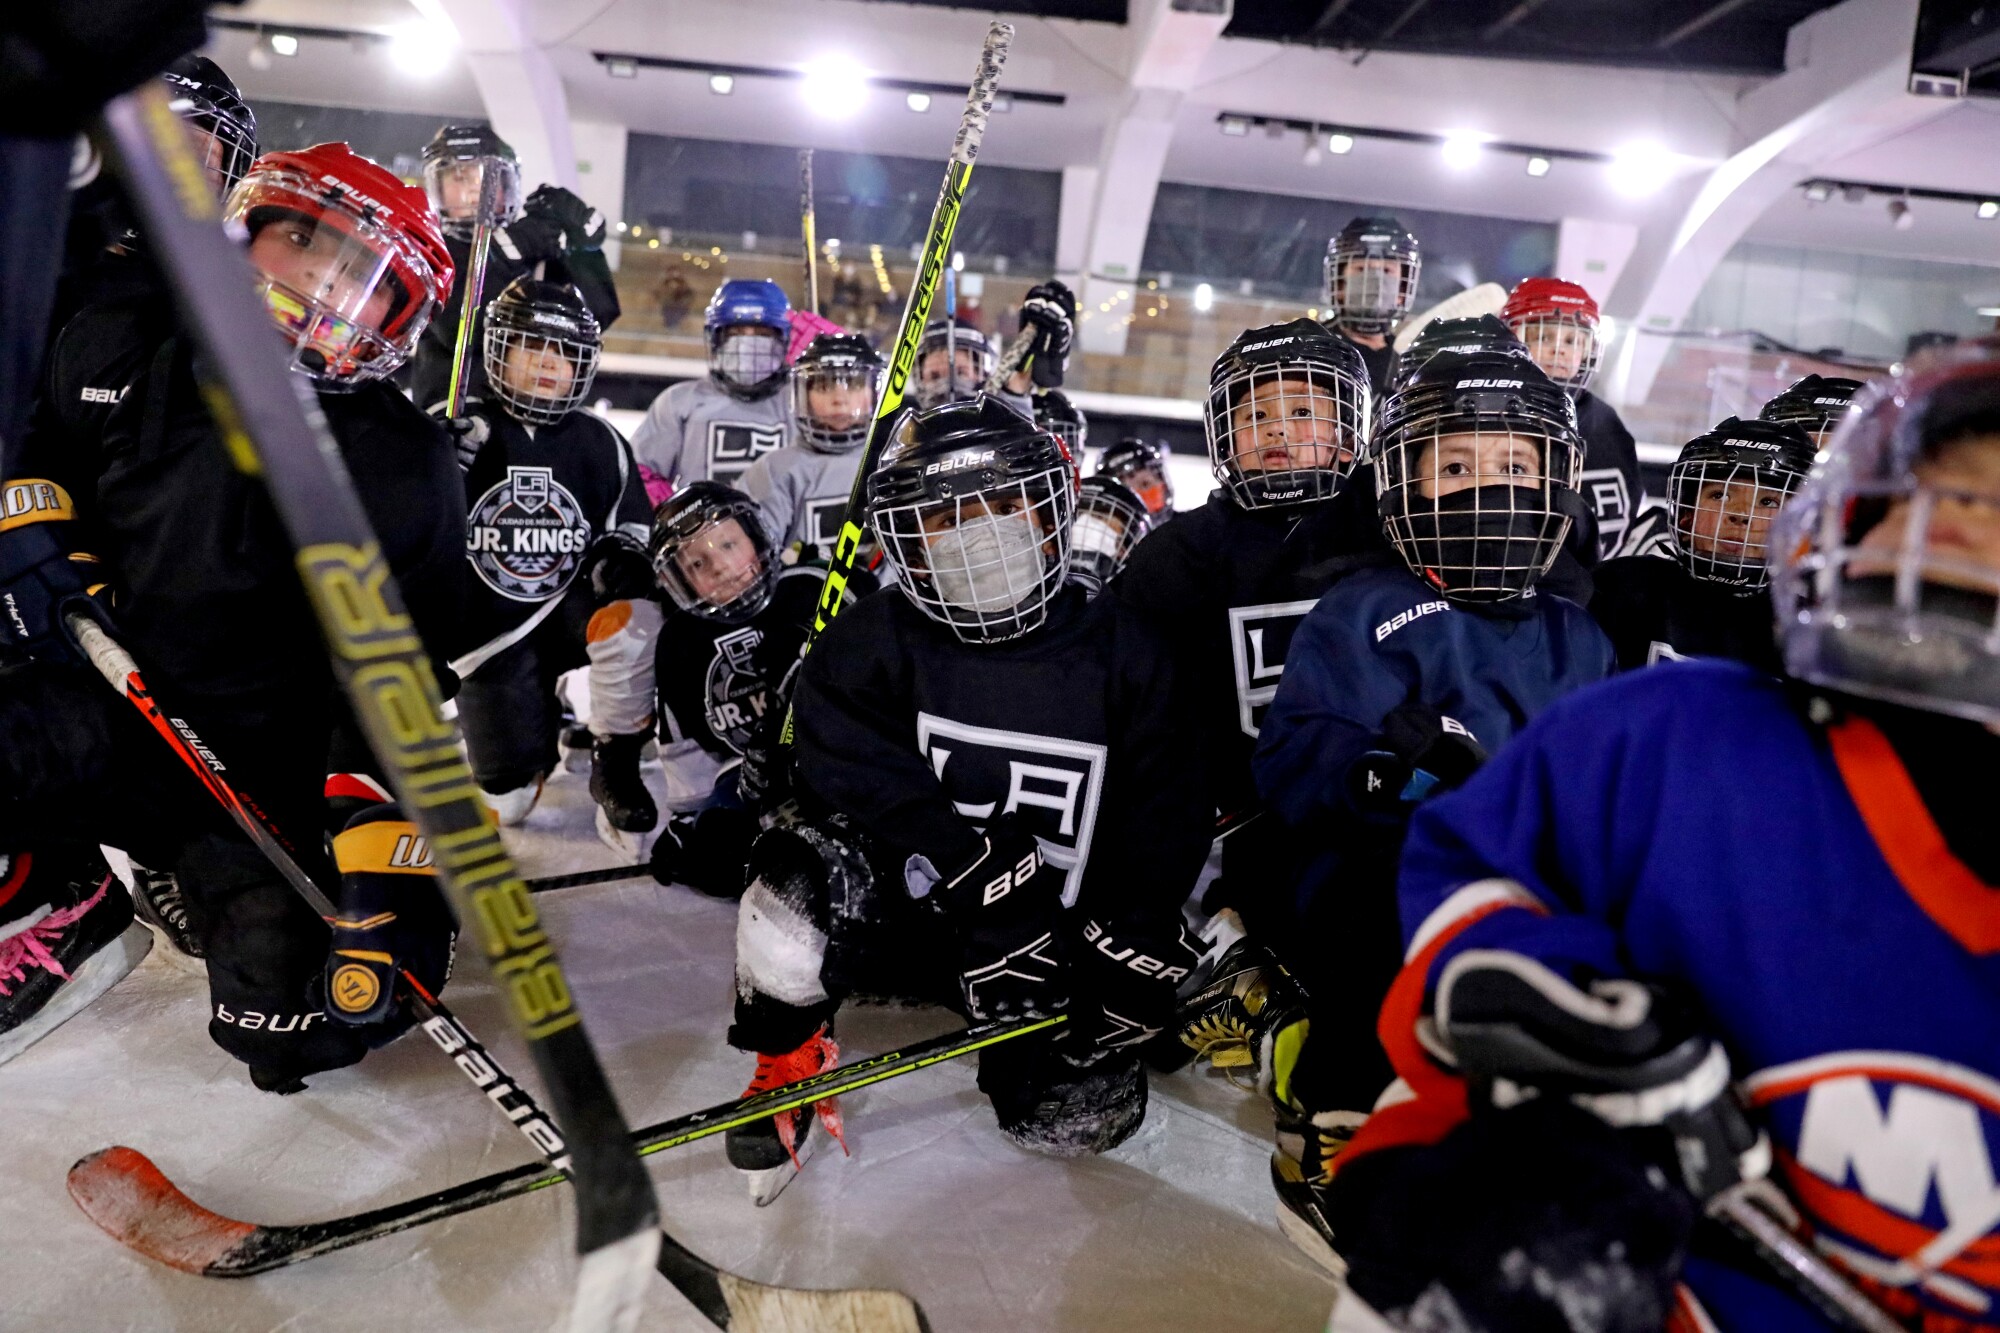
pixel 1172 1231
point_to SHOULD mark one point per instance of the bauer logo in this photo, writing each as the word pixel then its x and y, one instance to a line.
pixel 526 536
pixel 1259 638
pixel 1750 444
pixel 1489 384
pixel 960 462
pixel 1891 1156
pixel 733 446
pixel 1268 342
pixel 1051 784
pixel 90 395
pixel 1402 618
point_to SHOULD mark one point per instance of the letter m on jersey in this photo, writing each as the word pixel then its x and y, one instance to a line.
pixel 1051 784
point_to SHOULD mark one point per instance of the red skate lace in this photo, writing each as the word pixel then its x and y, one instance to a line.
pixel 21 951
pixel 815 1055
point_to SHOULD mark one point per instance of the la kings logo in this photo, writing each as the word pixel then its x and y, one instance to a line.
pixel 734 446
pixel 526 536
pixel 1052 785
pixel 735 695
pixel 1611 501
pixel 819 522
pixel 1259 638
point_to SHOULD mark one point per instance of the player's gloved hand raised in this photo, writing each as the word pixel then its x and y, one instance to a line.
pixel 468 437
pixel 618 568
pixel 1004 905
pixel 555 222
pixel 1420 753
pixel 1050 310
pixel 391 919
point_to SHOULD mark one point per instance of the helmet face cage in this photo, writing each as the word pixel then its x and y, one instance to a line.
pixel 1109 522
pixel 538 377
pixel 335 276
pixel 957 376
pixel 1476 490
pixel 988 560
pixel 1287 432
pixel 1142 469
pixel 1722 510
pixel 834 401
pixel 713 558
pixel 1060 418
pixel 1884 573
pixel 1563 343
pixel 228 127
pixel 457 182
pixel 1371 279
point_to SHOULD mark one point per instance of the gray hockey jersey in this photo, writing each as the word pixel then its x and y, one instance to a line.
pixel 802 494
pixel 696 431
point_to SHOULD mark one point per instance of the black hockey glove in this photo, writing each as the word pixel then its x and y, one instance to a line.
pixel 1050 310
pixel 468 437
pixel 391 918
pixel 40 585
pixel 555 222
pixel 1005 906
pixel 1126 977
pixel 618 568
pixel 1622 1049
pixel 1420 753
pixel 708 851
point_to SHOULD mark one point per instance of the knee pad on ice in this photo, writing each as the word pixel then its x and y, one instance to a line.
pixel 781 924
pixel 620 640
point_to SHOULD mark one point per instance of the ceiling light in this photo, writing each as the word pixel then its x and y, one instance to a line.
pixel 1002 103
pixel 1235 126
pixel 1640 169
pixel 1819 192
pixel 1990 311
pixel 622 69
pixel 835 87
pixel 918 102
pixel 421 49
pixel 1204 297
pixel 284 44
pixel 1989 208
pixel 958 261
pixel 722 84
pixel 1900 216
pixel 1538 166
pixel 1313 155
pixel 1339 143
pixel 1462 151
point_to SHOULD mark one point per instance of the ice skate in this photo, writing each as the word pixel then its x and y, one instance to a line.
pixel 1243 1020
pixel 158 902
pixel 771 1152
pixel 511 808
pixel 60 956
pixel 616 786
pixel 575 745
pixel 1308 1143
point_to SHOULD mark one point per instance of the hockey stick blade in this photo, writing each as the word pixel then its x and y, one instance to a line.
pixel 134 1202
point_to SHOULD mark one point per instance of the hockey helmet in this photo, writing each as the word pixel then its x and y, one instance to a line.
pixel 835 385
pixel 1287 414
pixel 711 553
pixel 1109 522
pixel 1141 466
pixel 1557 321
pixel 541 349
pixel 1057 415
pixel 1371 273
pixel 1481 333
pixel 1815 404
pixel 465 167
pixel 208 99
pixel 954 362
pixel 748 325
pixel 1724 491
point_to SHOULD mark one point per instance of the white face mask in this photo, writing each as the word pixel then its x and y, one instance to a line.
pixel 988 564
pixel 1093 534
pixel 750 358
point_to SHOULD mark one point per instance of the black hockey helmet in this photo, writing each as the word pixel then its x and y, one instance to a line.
pixel 1371 298
pixel 1288 410
pixel 842 361
pixel 1477 462
pixel 208 99
pixel 1142 466
pixel 1110 520
pixel 1815 404
pixel 711 553
pixel 457 162
pixel 1883 570
pixel 527 319
pixel 1481 333
pixel 1724 490
pixel 937 378
pixel 1057 415
pixel 972 505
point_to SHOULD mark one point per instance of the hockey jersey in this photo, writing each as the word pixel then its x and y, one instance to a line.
pixel 1381 361
pixel 923 740
pixel 1655 611
pixel 696 431
pixel 802 494
pixel 539 496
pixel 1628 523
pixel 1686 824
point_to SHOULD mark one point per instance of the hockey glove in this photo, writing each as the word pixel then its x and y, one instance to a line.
pixel 1420 752
pixel 468 437
pixel 618 568
pixel 1004 906
pixel 1050 310
pixel 391 918
pixel 709 851
pixel 1127 976
pixel 40 583
pixel 1621 1049
pixel 555 222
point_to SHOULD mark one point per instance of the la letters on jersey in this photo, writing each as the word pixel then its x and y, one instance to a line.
pixel 1259 638
pixel 1892 1157
pixel 1611 501
pixel 733 446
pixel 1052 785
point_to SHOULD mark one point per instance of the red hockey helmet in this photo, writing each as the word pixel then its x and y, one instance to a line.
pixel 353 261
pixel 1558 322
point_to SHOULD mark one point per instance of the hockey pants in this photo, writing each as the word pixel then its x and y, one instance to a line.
pixel 507 705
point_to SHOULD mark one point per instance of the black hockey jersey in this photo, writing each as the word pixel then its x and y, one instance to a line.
pixel 538 496
pixel 1655 611
pixel 1381 361
pixel 1612 487
pixel 922 740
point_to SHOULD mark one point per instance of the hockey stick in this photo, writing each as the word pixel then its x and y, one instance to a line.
pixel 809 229
pixel 126 1194
pixel 937 251
pixel 271 424
pixel 475 283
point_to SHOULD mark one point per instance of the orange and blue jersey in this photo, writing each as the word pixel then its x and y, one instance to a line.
pixel 1687 824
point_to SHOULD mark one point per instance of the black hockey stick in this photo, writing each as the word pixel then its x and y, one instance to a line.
pixel 936 254
pixel 163 1223
pixel 271 424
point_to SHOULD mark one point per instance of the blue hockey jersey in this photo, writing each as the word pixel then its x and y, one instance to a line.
pixel 1687 824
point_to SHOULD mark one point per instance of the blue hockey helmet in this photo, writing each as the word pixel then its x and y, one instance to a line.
pixel 748 364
